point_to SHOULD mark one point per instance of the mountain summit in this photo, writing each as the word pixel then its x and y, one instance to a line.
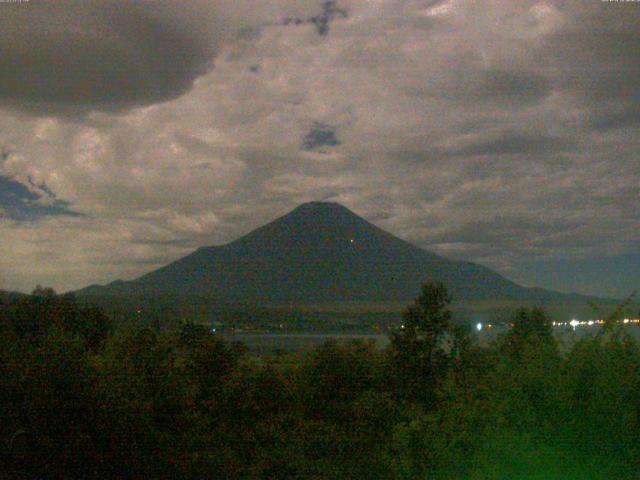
pixel 317 252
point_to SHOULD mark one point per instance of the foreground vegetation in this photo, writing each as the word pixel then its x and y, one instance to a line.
pixel 83 398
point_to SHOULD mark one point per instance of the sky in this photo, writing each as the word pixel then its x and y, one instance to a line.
pixel 504 132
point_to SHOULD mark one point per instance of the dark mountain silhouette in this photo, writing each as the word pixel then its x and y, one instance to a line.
pixel 318 252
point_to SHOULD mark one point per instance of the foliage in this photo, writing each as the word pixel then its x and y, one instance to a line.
pixel 32 317
pixel 79 400
pixel 419 351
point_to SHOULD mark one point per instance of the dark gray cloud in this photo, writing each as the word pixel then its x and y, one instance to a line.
pixel 502 231
pixel 625 114
pixel 512 86
pixel 102 54
pixel 512 143
pixel 320 135
pixel 598 60
pixel 468 79
pixel 322 21
pixel 19 202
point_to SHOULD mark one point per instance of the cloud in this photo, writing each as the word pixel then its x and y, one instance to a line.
pixel 72 56
pixel 19 202
pixel 320 136
pixel 321 21
pixel 513 143
pixel 597 55
pixel 500 132
pixel 97 54
pixel 28 200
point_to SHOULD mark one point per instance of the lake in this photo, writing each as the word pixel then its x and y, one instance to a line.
pixel 270 343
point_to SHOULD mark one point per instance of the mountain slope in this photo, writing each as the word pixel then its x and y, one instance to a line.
pixel 318 252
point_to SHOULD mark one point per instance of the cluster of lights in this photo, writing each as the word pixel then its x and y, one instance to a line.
pixel 589 323
pixel 573 323
pixel 576 323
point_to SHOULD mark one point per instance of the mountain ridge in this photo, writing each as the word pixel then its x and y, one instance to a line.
pixel 320 251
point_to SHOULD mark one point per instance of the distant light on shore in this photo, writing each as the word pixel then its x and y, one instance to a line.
pixel 590 323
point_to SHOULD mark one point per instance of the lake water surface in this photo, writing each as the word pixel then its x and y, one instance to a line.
pixel 270 343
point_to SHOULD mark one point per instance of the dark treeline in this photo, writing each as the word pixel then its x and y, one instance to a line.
pixel 82 398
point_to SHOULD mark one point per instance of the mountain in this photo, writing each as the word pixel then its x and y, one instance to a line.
pixel 319 252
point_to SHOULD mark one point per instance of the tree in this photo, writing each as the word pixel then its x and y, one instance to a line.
pixel 622 311
pixel 531 323
pixel 34 316
pixel 429 317
pixel 419 351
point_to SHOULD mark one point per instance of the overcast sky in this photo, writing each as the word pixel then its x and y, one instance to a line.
pixel 500 131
